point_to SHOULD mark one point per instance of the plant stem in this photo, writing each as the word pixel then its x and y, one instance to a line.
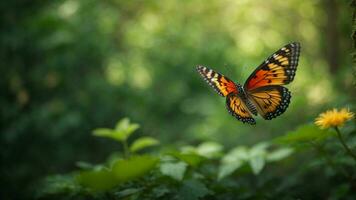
pixel 348 150
pixel 126 149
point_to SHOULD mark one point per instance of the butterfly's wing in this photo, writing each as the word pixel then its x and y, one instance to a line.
pixel 270 101
pixel 238 109
pixel 278 69
pixel 221 84
pixel 227 88
pixel 263 87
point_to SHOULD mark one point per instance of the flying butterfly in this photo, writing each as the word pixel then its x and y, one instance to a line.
pixel 262 92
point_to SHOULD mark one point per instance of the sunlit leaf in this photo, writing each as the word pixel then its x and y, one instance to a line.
pixel 257 162
pixel 188 149
pixel 121 132
pixel 305 133
pixel 122 124
pixel 262 146
pixel 142 143
pixel 209 149
pixel 134 167
pixel 233 161
pixel 279 154
pixel 110 133
pixel 100 180
pixel 125 128
pixel 228 168
pixel 192 159
pixel 174 170
pixel 104 132
pixel 257 156
pixel 238 153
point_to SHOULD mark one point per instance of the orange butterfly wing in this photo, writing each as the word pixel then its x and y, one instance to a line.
pixel 238 109
pixel 227 88
pixel 263 87
pixel 219 82
pixel 278 69
pixel 270 101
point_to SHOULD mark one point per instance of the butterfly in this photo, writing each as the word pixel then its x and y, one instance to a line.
pixel 262 92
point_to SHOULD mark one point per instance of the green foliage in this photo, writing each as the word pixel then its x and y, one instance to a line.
pixel 98 180
pixel 121 171
pixel 232 161
pixel 105 177
pixel 305 133
pixel 174 170
pixel 191 158
pixel 122 131
pixel 186 170
pixel 257 161
pixel 279 154
pixel 135 166
pixel 58 184
pixel 192 190
pixel 255 156
pixel 205 149
pixel 191 172
pixel 142 143
pixel 127 192
pixel 194 156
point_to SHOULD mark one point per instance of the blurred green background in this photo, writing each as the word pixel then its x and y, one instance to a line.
pixel 68 67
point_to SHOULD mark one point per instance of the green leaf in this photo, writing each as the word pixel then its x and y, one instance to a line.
pixel 192 159
pixel 174 170
pixel 142 143
pixel 134 167
pixel 228 168
pixel 122 170
pixel 122 124
pixel 192 190
pixel 279 154
pixel 209 149
pixel 128 192
pixel 238 153
pixel 260 147
pixel 104 132
pixel 257 156
pixel 257 163
pixel 126 128
pixel 97 180
pixel 84 165
pixel 188 149
pixel 121 132
pixel 232 161
pixel 110 133
pixel 305 133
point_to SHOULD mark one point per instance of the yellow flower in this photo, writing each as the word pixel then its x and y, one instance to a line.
pixel 333 118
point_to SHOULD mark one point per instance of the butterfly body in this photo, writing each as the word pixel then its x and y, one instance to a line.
pixel 246 100
pixel 262 92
